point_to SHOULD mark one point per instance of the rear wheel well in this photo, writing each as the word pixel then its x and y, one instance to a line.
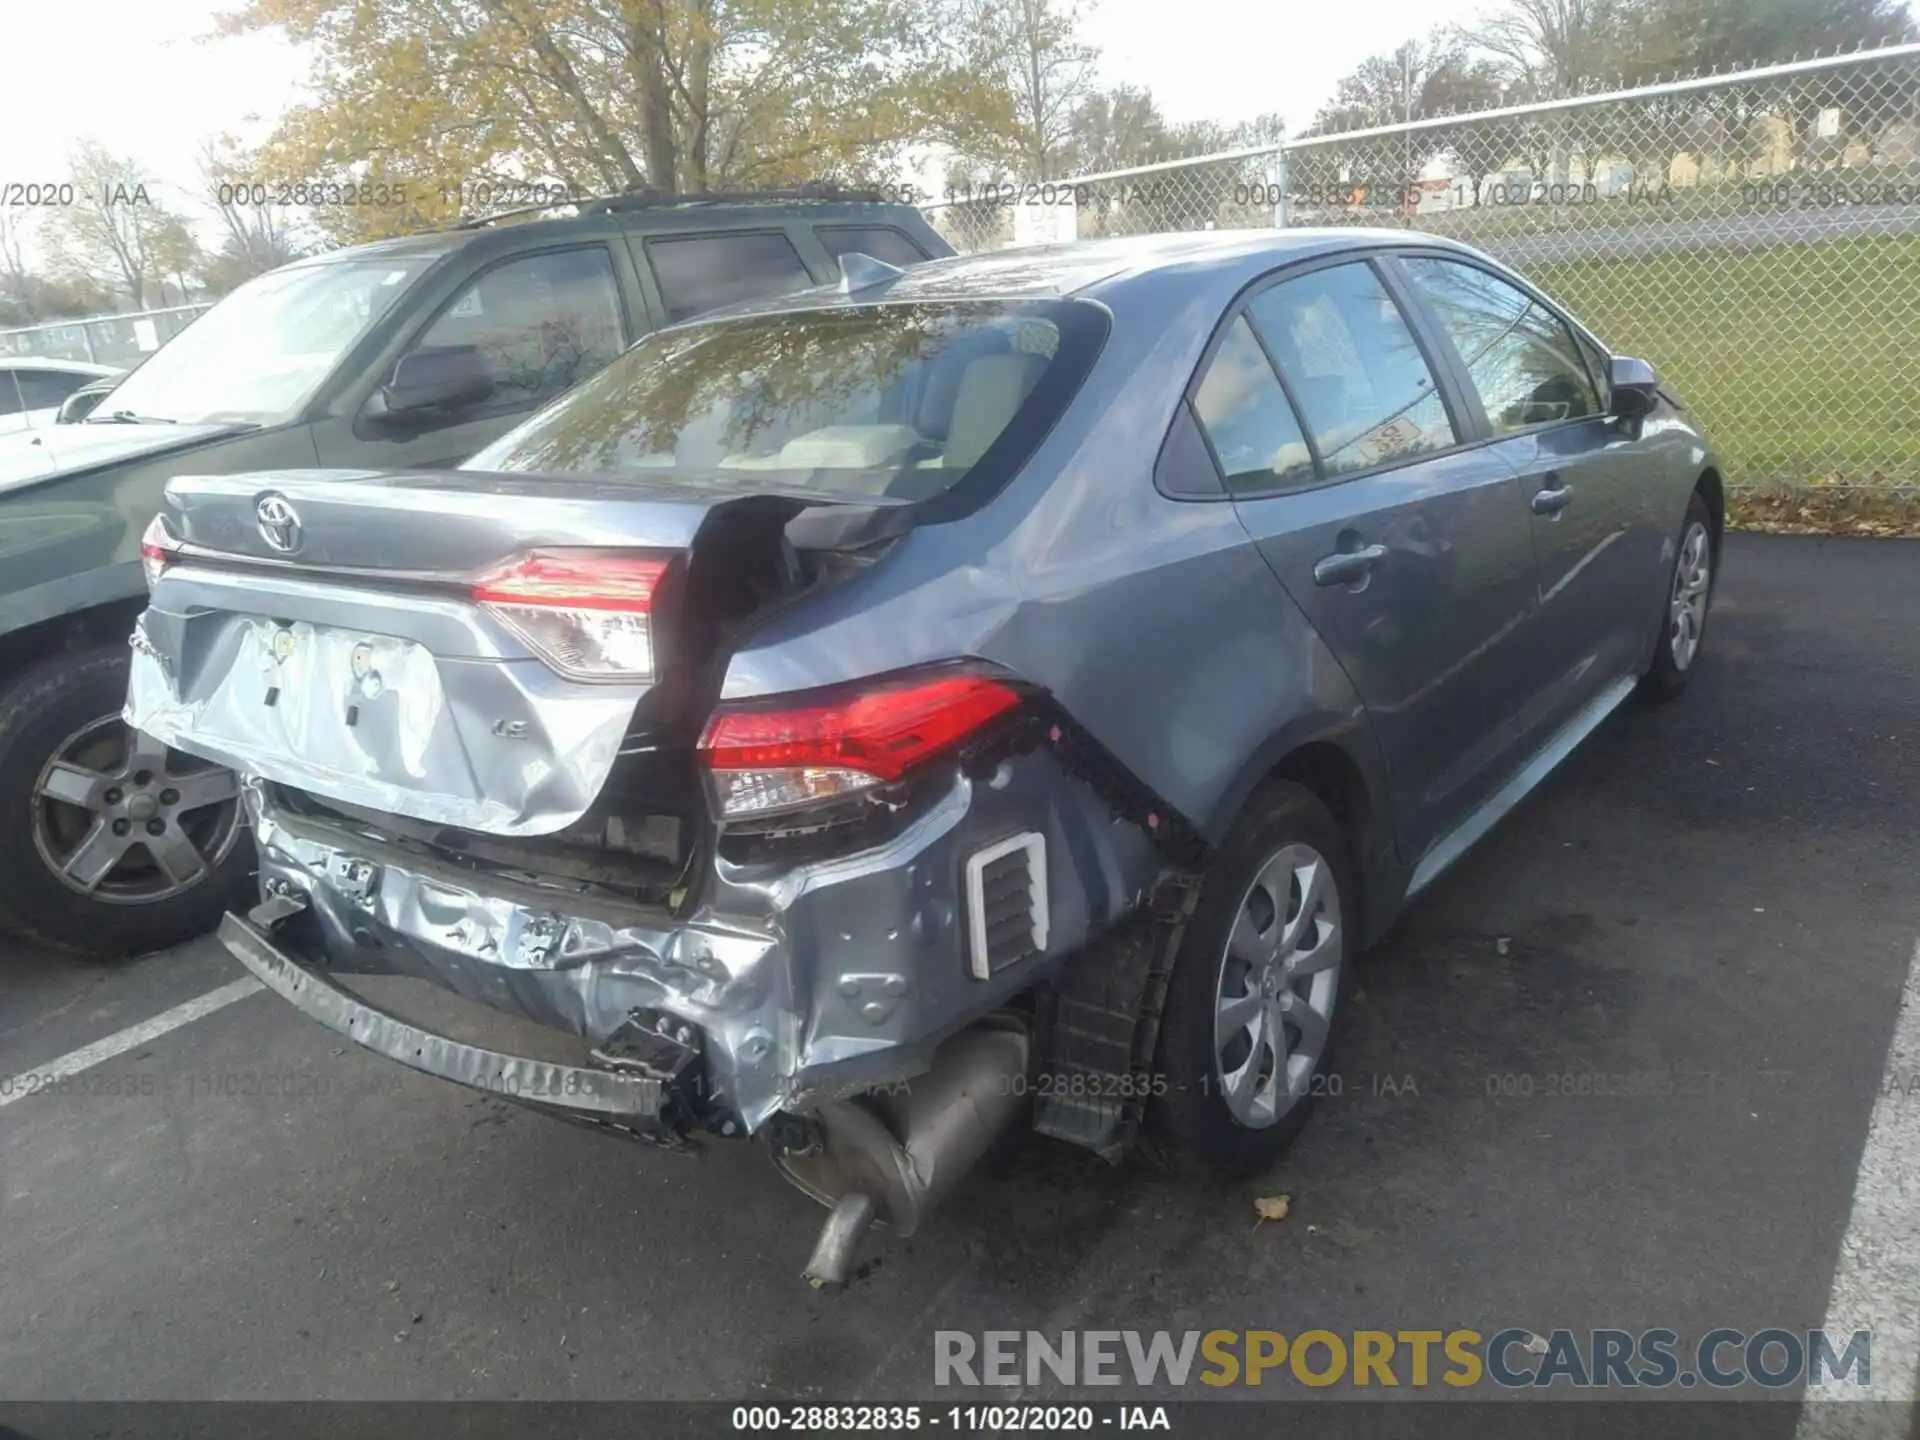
pixel 64 634
pixel 1335 780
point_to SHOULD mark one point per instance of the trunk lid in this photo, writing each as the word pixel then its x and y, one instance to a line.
pixel 330 631
pixel 424 525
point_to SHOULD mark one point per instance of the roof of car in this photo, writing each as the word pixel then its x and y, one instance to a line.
pixel 669 214
pixel 70 367
pixel 1091 268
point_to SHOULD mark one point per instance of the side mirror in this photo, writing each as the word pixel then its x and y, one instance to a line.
pixel 437 377
pixel 1636 389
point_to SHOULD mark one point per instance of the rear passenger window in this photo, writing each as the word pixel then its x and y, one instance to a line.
pixel 1365 388
pixel 705 272
pixel 1247 417
pixel 1524 361
pixel 879 241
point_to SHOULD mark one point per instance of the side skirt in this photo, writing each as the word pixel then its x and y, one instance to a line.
pixel 1464 836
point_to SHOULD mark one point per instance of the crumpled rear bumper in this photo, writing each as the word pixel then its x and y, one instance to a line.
pixel 802 983
pixel 581 1090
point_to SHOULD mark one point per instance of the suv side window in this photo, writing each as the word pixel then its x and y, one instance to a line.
pixel 882 242
pixel 704 272
pixel 1524 361
pixel 45 389
pixel 1349 357
pixel 542 323
pixel 1248 419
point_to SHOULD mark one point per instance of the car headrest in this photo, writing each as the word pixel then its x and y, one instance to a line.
pixel 989 395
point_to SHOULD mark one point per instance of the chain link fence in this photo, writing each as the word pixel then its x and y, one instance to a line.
pixel 1756 235
pixel 123 340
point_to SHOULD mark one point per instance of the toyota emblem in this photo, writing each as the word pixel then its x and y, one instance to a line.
pixel 279 523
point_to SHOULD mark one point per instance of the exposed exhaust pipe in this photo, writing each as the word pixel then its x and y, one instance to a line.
pixel 890 1159
pixel 840 1237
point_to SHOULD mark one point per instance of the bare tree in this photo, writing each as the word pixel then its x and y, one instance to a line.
pixel 15 279
pixel 256 237
pixel 1048 72
pixel 116 232
pixel 1549 48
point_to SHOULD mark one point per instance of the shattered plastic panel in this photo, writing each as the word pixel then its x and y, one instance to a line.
pixel 806 981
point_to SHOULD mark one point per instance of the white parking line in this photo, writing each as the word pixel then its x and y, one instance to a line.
pixel 1876 1286
pixel 18 1087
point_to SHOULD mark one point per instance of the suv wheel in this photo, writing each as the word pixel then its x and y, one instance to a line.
pixel 1256 988
pixel 117 845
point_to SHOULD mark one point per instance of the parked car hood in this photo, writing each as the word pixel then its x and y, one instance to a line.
pixel 69 449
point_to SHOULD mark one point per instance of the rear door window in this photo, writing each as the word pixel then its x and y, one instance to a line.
pixel 1365 388
pixel 882 242
pixel 1524 361
pixel 697 273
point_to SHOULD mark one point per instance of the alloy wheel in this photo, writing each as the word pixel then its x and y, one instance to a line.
pixel 1279 981
pixel 122 819
pixel 1687 607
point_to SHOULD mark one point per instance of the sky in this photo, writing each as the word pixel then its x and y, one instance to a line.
pixel 146 78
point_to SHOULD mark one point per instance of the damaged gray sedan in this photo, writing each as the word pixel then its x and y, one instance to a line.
pixel 1010 691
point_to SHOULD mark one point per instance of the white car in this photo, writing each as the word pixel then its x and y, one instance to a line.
pixel 33 387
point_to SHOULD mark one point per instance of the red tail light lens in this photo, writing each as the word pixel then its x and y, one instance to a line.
pixel 157 550
pixel 587 612
pixel 775 759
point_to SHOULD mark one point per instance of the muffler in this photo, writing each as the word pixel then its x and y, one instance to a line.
pixel 889 1158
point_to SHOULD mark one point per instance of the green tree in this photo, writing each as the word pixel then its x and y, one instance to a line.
pixel 619 95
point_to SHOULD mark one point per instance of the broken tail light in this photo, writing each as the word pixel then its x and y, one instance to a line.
pixel 776 758
pixel 588 613
pixel 158 550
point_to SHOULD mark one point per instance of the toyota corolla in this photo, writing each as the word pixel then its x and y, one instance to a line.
pixel 1011 691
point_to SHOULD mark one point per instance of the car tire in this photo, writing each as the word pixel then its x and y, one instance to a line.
pixel 1221 1105
pixel 78 789
pixel 1687 601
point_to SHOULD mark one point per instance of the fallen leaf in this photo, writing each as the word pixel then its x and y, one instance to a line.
pixel 1271 1207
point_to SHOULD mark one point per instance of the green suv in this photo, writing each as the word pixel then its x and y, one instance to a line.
pixel 409 352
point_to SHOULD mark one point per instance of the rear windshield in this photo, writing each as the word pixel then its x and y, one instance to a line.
pixel 901 401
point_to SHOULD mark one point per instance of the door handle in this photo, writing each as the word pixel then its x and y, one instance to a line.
pixel 1551 499
pixel 1343 567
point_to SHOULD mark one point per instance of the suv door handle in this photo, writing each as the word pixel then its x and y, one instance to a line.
pixel 1551 499
pixel 1343 567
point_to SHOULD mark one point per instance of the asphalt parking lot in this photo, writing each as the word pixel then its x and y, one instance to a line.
pixel 1723 891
